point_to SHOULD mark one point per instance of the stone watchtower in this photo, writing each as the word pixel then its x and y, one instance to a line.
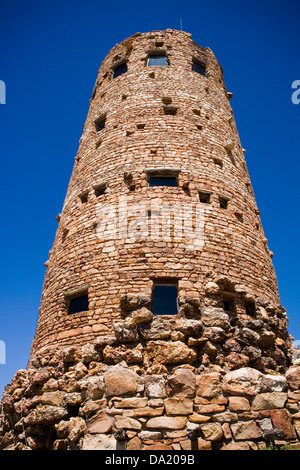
pixel 160 305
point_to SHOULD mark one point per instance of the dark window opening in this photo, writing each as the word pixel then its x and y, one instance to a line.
pixel 239 216
pixel 228 305
pixel 170 110
pixel 100 123
pixel 199 68
pixel 160 60
pixel 223 202
pixel 164 300
pixel 84 197
pixel 163 181
pixel 100 189
pixel 250 309
pixel 120 69
pixel 78 304
pixel 204 197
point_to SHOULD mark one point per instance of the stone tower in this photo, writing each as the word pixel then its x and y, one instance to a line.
pixel 160 283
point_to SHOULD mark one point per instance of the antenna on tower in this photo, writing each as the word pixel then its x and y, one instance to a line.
pixel 180 24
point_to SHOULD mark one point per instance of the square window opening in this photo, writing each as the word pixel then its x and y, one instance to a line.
pixel 78 303
pixel 204 197
pixel 84 197
pixel 164 299
pixel 100 189
pixel 198 67
pixel 120 69
pixel 228 305
pixel 223 202
pixel 157 60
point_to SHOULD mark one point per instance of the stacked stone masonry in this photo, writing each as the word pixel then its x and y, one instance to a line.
pixel 200 144
pixel 221 373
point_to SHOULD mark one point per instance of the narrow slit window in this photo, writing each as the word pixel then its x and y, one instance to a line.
pixel 204 197
pixel 250 309
pixel 79 303
pixel 223 201
pixel 160 60
pixel 100 123
pixel 120 69
pixel 161 180
pixel 198 67
pixel 164 299
pixel 84 197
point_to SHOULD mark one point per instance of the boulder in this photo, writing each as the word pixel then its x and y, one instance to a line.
pixel 120 380
pixel 170 352
pixel 244 381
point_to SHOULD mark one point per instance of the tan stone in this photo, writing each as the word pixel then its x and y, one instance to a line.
pixel 282 420
pixel 146 411
pixel 133 402
pixel 101 423
pixel 209 385
pixel 178 406
pixel 203 444
pixel 166 422
pixel 123 422
pixel 121 380
pixel 196 418
pixel 268 401
pixel 212 431
pixel 212 408
pixel 183 383
pixel 52 398
pixel 293 377
pixel 170 352
pixel 243 381
pixel 239 404
pixel 134 444
pixel 245 430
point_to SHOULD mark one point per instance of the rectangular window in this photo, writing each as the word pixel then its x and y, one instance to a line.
pixel 79 303
pixel 198 67
pixel 170 110
pixel 164 299
pixel 120 69
pixel 161 180
pixel 157 60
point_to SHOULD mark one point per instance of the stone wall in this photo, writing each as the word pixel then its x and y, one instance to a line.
pixel 78 401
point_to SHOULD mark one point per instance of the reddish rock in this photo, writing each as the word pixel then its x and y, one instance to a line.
pixel 282 420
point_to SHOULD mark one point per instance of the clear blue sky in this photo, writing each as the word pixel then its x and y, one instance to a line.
pixel 50 54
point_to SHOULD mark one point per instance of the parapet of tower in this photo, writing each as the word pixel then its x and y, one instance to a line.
pixel 160 325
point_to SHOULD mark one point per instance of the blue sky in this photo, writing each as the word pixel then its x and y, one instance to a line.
pixel 50 52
